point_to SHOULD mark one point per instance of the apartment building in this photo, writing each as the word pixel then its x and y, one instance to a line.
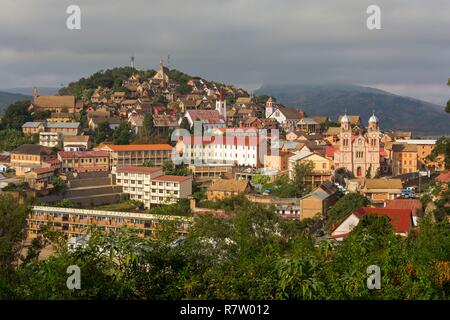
pixel 241 151
pixel 65 128
pixel 83 161
pixel 50 139
pixel 321 172
pixel 28 157
pixel 151 186
pixel 77 222
pixel 404 159
pixel 136 154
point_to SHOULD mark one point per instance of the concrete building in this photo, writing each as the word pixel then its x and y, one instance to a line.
pixel 136 154
pixel 404 159
pixel 150 186
pixel 50 139
pixel 83 161
pixel 77 222
pixel 322 170
pixel 30 156
pixel 223 188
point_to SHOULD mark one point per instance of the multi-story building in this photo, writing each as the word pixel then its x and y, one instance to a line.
pixel 321 172
pixel 30 156
pixel 424 148
pixel 76 143
pixel 151 186
pixel 50 139
pixel 404 158
pixel 241 151
pixel 359 150
pixel 136 154
pixel 77 222
pixel 65 128
pixel 83 161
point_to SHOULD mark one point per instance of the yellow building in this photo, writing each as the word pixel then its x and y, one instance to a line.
pixel 322 171
pixel 29 156
pixel 278 162
pixel 404 159
pixel 222 188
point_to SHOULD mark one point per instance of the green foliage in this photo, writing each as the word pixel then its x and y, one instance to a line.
pixel 442 147
pixel 65 203
pixel 283 187
pixel 169 168
pixel 345 206
pixel 123 134
pixel 15 115
pixel 12 230
pixel 180 77
pixel 181 208
pixel 104 132
pixel 301 171
pixel 110 78
pixel 58 184
pixel 260 179
pixel 12 138
pixel 184 89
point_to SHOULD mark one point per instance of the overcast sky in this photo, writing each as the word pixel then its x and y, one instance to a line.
pixel 243 42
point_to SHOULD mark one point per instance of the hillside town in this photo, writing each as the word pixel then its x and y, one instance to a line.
pixel 171 146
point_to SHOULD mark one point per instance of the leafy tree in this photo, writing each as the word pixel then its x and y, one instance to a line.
pixel 283 187
pixel 15 115
pixel 104 132
pixel 447 108
pixel 58 184
pixel 123 134
pixel 345 206
pixel 301 172
pixel 169 168
pixel 65 203
pixel 185 124
pixel 184 89
pixel 260 179
pixel 12 230
pixel 442 147
pixel 12 138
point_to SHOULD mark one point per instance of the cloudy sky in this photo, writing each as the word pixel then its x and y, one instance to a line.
pixel 244 42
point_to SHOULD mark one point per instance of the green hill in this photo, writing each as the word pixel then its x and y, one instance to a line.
pixel 394 111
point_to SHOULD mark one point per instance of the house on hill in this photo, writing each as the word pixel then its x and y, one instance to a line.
pixel 400 219
pixel 222 188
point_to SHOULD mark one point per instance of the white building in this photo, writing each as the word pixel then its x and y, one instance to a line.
pixel 238 150
pixel 50 139
pixel 151 186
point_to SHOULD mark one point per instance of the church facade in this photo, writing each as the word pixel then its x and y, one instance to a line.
pixel 359 148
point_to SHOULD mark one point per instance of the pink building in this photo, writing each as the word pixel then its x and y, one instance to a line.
pixel 358 148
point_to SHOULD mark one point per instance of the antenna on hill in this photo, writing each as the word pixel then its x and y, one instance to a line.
pixel 168 61
pixel 132 61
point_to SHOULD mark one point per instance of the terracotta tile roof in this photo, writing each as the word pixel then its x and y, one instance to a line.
pixel 229 185
pixel 136 147
pixel 403 147
pixel 172 178
pixel 409 204
pixel 206 116
pixel 43 170
pixel 34 149
pixel 400 219
pixel 383 184
pixel 55 101
pixel 135 169
pixel 444 177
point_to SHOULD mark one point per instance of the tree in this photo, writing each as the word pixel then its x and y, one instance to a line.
pixel 123 134
pixel 12 138
pixel 345 206
pixel 185 124
pixel 12 230
pixel 169 168
pixel 104 132
pixel 301 172
pixel 260 179
pixel 368 172
pixel 15 115
pixel 442 147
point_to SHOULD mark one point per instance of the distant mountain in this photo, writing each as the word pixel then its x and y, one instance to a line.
pixel 394 111
pixel 7 98
pixel 43 91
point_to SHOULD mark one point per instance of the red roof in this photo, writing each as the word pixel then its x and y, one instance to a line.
pixel 329 151
pixel 206 116
pixel 400 219
pixel 135 169
pixel 44 170
pixel 410 204
pixel 172 178
pixel 444 177
pixel 82 154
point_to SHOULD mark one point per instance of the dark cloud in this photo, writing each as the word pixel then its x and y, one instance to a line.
pixel 247 43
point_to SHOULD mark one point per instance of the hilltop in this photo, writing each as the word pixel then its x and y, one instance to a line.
pixel 6 98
